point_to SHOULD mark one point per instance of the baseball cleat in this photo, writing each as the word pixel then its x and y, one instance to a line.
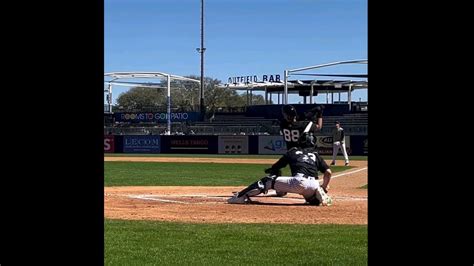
pixel 333 163
pixel 237 200
pixel 346 164
pixel 280 194
pixel 324 198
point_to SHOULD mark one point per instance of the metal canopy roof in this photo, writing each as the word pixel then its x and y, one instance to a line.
pixel 322 86
pixel 134 75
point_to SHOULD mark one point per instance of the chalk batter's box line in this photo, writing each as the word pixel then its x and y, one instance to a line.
pixel 223 198
pixel 155 198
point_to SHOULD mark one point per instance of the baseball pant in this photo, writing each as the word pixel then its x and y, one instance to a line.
pixel 335 150
pixel 298 184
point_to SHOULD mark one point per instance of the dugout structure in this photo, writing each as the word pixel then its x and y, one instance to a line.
pixel 121 79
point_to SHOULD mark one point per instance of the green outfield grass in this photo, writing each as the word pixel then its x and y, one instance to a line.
pixel 326 157
pixel 165 243
pixel 186 174
pixel 365 186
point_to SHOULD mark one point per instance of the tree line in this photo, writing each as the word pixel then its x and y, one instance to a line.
pixel 184 96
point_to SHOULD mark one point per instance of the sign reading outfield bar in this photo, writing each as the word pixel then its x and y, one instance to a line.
pixel 254 78
pixel 156 117
pixel 141 144
pixel 271 145
pixel 233 144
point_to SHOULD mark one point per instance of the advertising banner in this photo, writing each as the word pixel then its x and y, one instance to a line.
pixel 233 144
pixel 109 144
pixel 324 144
pixel 158 117
pixel 141 144
pixel 189 144
pixel 271 145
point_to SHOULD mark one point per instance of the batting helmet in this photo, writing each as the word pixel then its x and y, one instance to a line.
pixel 289 112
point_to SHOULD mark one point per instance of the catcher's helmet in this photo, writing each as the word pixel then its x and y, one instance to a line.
pixel 307 140
pixel 289 112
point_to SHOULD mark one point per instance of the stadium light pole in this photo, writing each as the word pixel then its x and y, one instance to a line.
pixel 201 51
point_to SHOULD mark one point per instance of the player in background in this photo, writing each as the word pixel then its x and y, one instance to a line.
pixel 339 144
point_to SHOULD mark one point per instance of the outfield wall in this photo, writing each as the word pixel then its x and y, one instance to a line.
pixel 238 144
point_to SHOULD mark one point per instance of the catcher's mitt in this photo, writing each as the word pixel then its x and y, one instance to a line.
pixel 314 113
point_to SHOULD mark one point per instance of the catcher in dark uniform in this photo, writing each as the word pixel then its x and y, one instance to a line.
pixel 304 163
pixel 292 126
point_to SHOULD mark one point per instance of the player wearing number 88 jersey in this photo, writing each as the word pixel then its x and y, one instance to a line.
pixel 292 127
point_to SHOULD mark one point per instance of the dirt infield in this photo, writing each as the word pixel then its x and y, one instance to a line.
pixel 199 204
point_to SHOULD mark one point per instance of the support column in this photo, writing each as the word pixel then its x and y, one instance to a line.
pixel 168 98
pixel 110 98
pixel 266 95
pixel 349 96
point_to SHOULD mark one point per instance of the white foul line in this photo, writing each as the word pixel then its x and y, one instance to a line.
pixel 146 197
pixel 347 173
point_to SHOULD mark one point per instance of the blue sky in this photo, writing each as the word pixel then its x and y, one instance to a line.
pixel 242 37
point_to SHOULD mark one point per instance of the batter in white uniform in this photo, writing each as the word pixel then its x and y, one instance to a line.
pixel 304 164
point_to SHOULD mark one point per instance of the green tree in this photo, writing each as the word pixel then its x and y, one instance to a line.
pixel 184 96
pixel 140 98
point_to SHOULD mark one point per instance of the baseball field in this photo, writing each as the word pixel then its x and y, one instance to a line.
pixel 172 209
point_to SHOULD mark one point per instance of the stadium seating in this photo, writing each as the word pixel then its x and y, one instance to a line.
pixel 227 123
